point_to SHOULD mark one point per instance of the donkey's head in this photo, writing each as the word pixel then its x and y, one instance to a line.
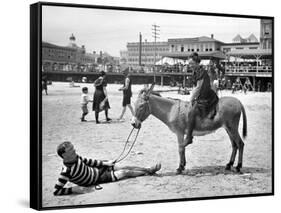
pixel 142 107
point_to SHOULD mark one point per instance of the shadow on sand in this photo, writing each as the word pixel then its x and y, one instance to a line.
pixel 216 170
pixel 113 121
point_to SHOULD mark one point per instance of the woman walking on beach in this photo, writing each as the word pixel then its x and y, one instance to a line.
pixel 100 100
pixel 127 94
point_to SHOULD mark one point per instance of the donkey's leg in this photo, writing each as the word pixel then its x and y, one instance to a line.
pixel 234 150
pixel 240 144
pixel 181 153
pixel 237 143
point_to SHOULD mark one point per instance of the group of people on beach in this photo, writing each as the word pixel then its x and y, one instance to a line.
pixel 100 99
pixel 88 173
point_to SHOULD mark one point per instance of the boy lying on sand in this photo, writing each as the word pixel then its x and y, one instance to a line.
pixel 86 173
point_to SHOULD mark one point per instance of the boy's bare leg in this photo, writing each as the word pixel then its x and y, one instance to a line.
pixel 122 113
pixel 146 170
pixel 123 174
pixel 131 108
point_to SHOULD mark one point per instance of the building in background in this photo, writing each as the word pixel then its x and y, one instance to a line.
pixel 206 47
pixel 251 60
pixel 180 48
pixel 226 47
pixel 197 44
pixel 123 57
pixel 74 58
pixel 250 39
pixel 147 52
pixel 266 34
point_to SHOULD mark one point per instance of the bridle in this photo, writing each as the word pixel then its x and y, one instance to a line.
pixel 145 104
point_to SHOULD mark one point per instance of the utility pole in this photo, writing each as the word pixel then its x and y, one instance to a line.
pixel 155 35
pixel 140 50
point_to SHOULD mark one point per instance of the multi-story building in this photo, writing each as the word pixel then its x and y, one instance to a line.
pixel 239 46
pixel 198 44
pixel 266 34
pixel 67 58
pixel 56 57
pixel 206 47
pixel 148 50
pixel 182 48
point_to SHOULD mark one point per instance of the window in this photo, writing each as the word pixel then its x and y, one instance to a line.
pixel 210 49
pixel 182 48
pixel 188 50
pixel 201 47
pixel 192 50
pixel 267 29
pixel 206 49
pixel 197 50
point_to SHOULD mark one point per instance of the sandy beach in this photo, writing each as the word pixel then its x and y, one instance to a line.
pixel 206 157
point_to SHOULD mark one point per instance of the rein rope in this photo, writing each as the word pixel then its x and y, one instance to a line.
pixel 120 158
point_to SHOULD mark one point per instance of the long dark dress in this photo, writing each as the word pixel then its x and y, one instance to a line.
pixel 205 97
pixel 99 96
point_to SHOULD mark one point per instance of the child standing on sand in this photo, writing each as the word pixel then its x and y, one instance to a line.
pixel 84 102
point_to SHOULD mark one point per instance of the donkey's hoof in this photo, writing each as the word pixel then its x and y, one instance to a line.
pixel 228 167
pixel 179 171
pixel 238 170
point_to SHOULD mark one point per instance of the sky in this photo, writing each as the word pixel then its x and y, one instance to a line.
pixel 110 30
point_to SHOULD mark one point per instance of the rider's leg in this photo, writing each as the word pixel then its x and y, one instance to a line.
pixel 190 124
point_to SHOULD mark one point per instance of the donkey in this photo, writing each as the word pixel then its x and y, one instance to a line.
pixel 174 112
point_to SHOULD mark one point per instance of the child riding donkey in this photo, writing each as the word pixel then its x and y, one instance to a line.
pixel 203 98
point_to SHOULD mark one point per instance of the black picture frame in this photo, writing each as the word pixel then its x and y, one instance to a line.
pixel 36 103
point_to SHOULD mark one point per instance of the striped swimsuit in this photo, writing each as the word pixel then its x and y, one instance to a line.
pixel 84 172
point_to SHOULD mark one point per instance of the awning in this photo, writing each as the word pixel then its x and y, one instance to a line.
pixel 251 53
pixel 203 55
pixel 170 61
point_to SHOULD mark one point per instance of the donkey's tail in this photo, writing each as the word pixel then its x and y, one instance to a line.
pixel 244 121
